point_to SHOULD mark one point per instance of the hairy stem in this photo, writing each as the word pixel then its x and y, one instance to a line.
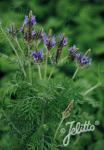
pixel 51 74
pixel 29 64
pixel 46 65
pixel 39 71
pixel 19 46
pixel 92 88
pixel 15 51
pixel 42 123
pixel 59 125
pixel 75 73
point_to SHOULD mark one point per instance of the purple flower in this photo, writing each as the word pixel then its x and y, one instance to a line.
pixel 49 41
pixel 32 20
pixel 72 50
pixel 63 41
pixel 26 20
pixel 37 55
pixel 84 60
pixel 38 34
pixel 33 33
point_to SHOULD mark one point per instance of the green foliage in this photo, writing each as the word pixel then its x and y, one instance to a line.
pixel 21 104
pixel 25 108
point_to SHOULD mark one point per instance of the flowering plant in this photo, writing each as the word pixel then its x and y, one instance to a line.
pixel 38 98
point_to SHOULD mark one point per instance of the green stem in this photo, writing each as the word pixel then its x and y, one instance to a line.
pixel 60 123
pixel 19 46
pixel 29 64
pixel 45 74
pixel 39 71
pixel 75 73
pixel 91 89
pixel 15 51
pixel 42 123
pixel 89 50
pixel 51 74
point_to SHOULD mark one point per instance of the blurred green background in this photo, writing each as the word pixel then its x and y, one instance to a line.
pixel 83 22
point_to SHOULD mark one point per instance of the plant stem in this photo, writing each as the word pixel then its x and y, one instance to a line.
pixel 29 64
pixel 75 73
pixel 89 50
pixel 19 46
pixel 92 88
pixel 42 123
pixel 39 71
pixel 45 74
pixel 51 74
pixel 60 123
pixel 15 51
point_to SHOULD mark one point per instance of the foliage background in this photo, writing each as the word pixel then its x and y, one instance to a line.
pixel 83 22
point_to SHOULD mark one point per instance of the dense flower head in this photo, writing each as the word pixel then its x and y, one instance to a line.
pixel 63 41
pixel 38 34
pixel 26 20
pixel 31 20
pixel 81 58
pixel 27 27
pixel 37 55
pixel 72 50
pixel 49 41
pixel 84 60
pixel 30 34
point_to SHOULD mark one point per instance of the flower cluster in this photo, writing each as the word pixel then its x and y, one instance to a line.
pixel 30 20
pixel 38 34
pixel 27 27
pixel 63 41
pixel 81 58
pixel 49 41
pixel 37 55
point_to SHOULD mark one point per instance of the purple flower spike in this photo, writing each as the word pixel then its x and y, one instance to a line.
pixel 26 20
pixel 45 39
pixel 84 60
pixel 52 42
pixel 33 20
pixel 33 33
pixel 49 41
pixel 72 51
pixel 37 55
pixel 63 41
